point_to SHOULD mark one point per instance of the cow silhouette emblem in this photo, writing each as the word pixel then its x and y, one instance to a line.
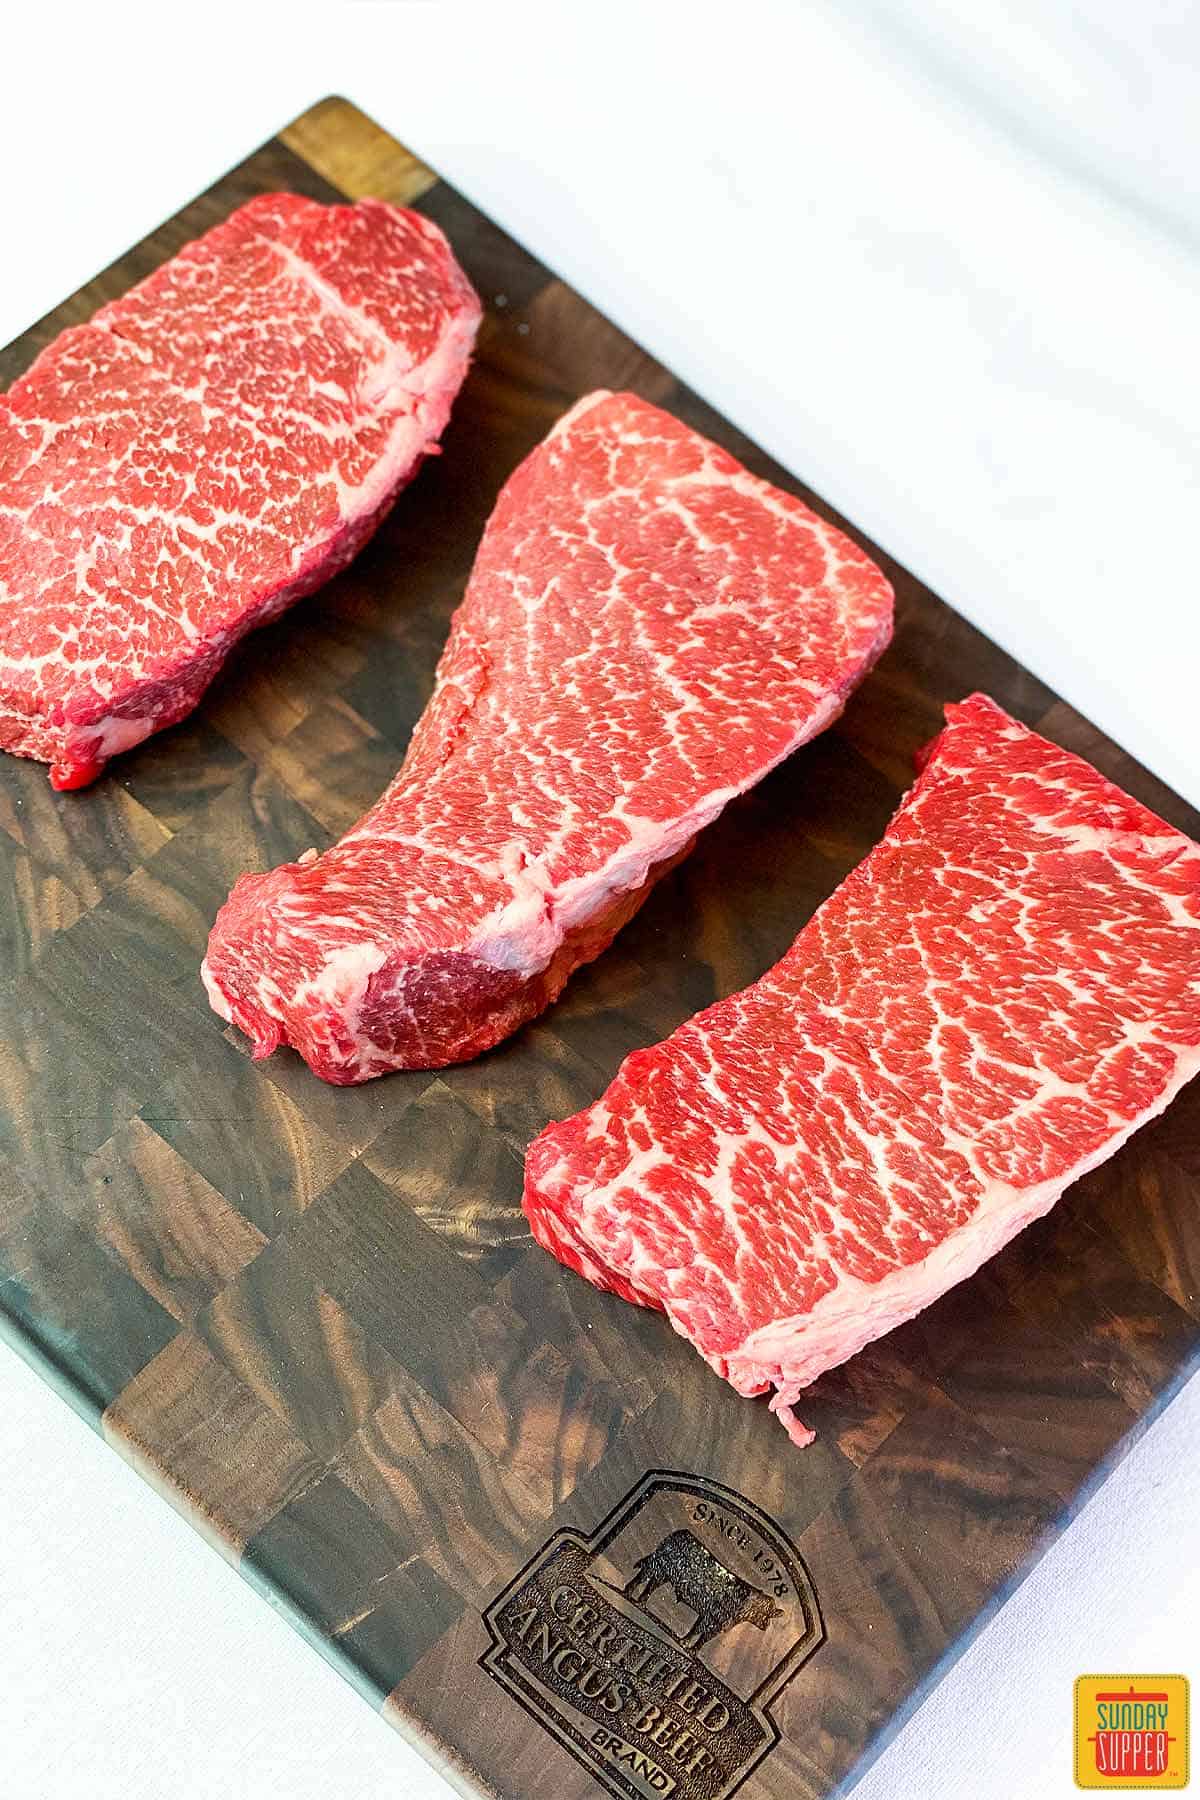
pixel 632 1693
pixel 699 1580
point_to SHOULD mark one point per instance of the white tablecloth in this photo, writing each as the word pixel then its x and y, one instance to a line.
pixel 944 262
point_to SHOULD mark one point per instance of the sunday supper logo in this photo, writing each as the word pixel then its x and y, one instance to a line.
pixel 654 1647
pixel 1131 1731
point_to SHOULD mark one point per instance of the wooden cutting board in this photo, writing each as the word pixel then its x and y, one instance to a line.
pixel 521 1517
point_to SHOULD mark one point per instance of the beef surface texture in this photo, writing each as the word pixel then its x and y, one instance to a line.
pixel 209 448
pixel 647 630
pixel 987 1007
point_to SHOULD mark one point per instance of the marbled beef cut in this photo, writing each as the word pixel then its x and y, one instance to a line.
pixel 648 629
pixel 213 445
pixel 986 1008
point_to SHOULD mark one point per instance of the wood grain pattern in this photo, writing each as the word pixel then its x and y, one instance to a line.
pixel 353 153
pixel 314 1317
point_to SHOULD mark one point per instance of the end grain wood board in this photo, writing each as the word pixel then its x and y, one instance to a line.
pixel 314 1317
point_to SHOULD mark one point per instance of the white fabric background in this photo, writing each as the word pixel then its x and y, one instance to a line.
pixel 944 261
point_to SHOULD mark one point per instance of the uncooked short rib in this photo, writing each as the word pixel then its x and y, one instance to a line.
pixel 211 447
pixel 986 1008
pixel 648 629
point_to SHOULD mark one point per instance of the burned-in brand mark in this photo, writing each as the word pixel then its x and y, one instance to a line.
pixel 654 1647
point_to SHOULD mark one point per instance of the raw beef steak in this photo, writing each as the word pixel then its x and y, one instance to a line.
pixel 986 1008
pixel 212 446
pixel 647 630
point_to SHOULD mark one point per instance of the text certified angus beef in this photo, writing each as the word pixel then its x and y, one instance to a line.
pixel 986 1008
pixel 209 448
pixel 647 630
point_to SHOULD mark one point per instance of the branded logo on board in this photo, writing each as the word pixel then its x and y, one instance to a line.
pixel 654 1647
pixel 1131 1731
